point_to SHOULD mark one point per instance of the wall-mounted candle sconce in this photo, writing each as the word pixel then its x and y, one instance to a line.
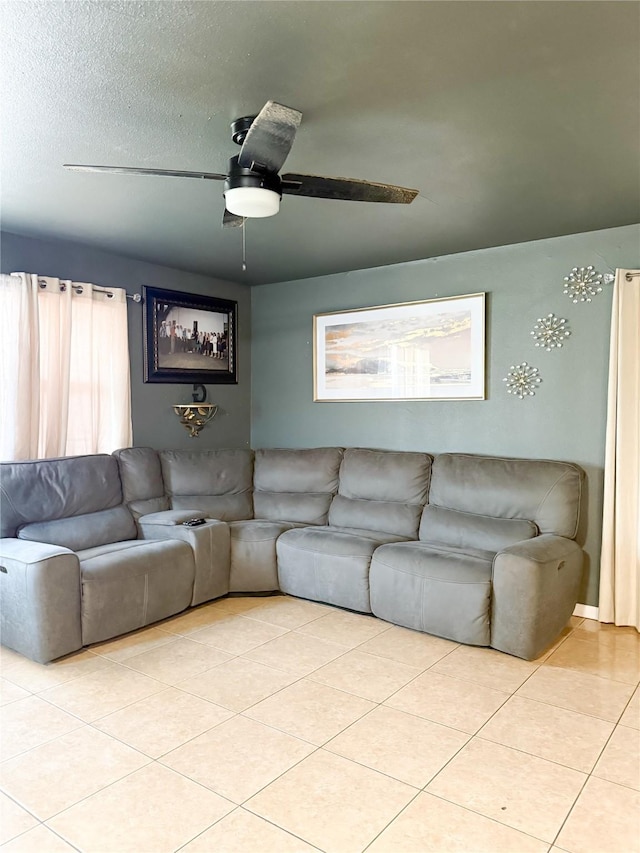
pixel 195 416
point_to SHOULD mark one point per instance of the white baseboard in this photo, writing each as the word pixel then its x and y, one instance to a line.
pixel 586 611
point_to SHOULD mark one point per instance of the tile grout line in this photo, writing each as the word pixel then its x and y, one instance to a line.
pixel 314 752
pixel 626 707
pixel 45 820
pixel 393 819
pixel 595 642
pixel 240 808
pixel 388 775
pixel 550 704
pixel 126 776
pixel 6 676
pixel 492 819
pixel 44 825
pixel 298 737
pixel 163 687
pixel 82 724
pixel 571 808
pixel 531 755
pixel 464 808
pixel 617 784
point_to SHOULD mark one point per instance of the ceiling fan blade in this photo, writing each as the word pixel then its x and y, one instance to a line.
pixel 345 189
pixel 126 170
pixel 230 220
pixel 270 137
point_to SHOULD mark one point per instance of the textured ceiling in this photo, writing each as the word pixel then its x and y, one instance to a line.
pixel 515 120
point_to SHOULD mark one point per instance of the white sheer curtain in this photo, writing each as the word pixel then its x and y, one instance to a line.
pixel 64 356
pixel 620 560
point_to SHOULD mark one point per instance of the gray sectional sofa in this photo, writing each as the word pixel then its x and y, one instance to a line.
pixel 476 549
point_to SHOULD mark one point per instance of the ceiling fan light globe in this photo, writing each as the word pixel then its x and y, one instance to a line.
pixel 252 202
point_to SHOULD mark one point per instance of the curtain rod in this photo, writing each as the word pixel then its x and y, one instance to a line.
pixel 136 297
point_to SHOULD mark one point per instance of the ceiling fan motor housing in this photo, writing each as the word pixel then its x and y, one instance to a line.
pixel 240 128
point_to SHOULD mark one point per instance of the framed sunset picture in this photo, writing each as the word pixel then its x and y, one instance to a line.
pixel 428 350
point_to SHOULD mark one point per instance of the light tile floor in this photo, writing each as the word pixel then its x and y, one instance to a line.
pixel 274 725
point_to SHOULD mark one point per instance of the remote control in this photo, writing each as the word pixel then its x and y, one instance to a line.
pixel 194 522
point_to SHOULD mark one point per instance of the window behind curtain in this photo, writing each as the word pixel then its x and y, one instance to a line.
pixel 64 361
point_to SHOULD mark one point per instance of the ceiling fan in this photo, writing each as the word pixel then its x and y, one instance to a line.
pixel 252 187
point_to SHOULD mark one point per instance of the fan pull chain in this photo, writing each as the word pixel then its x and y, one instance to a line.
pixel 244 245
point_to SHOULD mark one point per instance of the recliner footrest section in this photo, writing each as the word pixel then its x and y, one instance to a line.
pixel 443 591
pixel 131 584
pixel 329 564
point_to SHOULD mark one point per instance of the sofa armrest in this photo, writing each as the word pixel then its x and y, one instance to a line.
pixel 535 589
pixel 40 595
pixel 210 543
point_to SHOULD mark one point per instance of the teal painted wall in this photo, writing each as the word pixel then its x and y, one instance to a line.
pixel 154 423
pixel 566 418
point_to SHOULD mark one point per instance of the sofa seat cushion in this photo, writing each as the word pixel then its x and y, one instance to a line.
pixel 128 585
pixel 253 554
pixel 434 588
pixel 329 564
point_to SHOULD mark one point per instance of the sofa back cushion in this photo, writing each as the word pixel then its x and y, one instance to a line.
pixel 141 475
pixel 468 530
pixel 83 531
pixel 48 489
pixel 295 485
pixel 218 482
pixel 381 490
pixel 543 492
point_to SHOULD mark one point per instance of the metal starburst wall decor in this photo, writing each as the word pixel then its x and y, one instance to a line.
pixel 522 380
pixel 550 332
pixel 583 283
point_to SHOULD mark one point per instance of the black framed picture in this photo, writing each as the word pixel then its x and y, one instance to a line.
pixel 189 338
